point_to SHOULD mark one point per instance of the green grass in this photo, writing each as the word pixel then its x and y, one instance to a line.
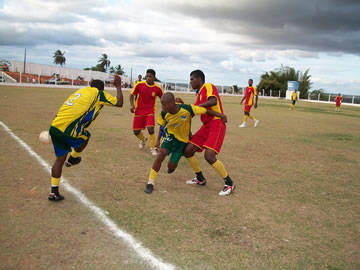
pixel 296 205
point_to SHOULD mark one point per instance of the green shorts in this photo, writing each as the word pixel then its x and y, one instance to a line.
pixel 174 147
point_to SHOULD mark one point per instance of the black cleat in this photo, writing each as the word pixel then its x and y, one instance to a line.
pixel 170 170
pixel 72 161
pixel 54 197
pixel 149 188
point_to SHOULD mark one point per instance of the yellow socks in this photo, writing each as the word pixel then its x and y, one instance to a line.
pixel 152 176
pixel 245 118
pixel 152 140
pixel 55 182
pixel 75 154
pixel 140 136
pixel 251 117
pixel 219 167
pixel 194 163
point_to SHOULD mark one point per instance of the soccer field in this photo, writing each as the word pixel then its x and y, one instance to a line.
pixel 296 205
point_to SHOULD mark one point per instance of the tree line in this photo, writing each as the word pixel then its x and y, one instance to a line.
pixel 103 64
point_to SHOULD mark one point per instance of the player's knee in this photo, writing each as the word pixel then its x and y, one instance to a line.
pixel 151 130
pixel 136 132
pixel 210 157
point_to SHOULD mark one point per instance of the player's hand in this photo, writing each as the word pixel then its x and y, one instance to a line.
pixel 132 109
pixel 240 102
pixel 117 80
pixel 224 119
pixel 179 100
pixel 255 106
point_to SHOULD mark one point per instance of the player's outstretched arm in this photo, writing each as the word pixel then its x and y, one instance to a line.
pixel 212 101
pixel 120 98
pixel 220 115
pixel 256 101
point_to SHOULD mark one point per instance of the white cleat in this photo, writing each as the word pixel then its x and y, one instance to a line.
pixel 227 190
pixel 154 151
pixel 243 125
pixel 142 143
pixel 256 123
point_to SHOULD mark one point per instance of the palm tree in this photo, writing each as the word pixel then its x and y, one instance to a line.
pixel 112 70
pixel 119 70
pixel 104 62
pixel 59 58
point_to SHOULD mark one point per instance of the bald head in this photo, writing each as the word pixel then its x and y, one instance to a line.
pixel 168 98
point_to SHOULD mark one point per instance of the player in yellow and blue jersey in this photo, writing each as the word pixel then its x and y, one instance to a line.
pixel 177 121
pixel 68 129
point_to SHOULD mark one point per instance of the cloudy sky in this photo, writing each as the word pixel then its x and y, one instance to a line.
pixel 230 40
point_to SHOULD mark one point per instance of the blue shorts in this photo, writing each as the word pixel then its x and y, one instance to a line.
pixel 63 143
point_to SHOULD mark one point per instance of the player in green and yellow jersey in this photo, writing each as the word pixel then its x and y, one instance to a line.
pixel 68 129
pixel 177 118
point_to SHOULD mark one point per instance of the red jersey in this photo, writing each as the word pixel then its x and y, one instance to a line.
pixel 338 100
pixel 209 90
pixel 250 92
pixel 145 97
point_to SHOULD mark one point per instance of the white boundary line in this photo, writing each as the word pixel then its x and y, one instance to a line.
pixel 141 251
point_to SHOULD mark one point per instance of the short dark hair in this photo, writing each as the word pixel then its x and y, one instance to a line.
pixel 97 84
pixel 150 70
pixel 198 74
pixel 251 80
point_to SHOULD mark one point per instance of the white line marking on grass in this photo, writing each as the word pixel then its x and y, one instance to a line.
pixel 141 251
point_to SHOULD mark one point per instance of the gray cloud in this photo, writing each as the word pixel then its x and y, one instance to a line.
pixel 322 25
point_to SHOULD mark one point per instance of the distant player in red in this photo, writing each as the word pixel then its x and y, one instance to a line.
pixel 210 136
pixel 250 93
pixel 142 103
pixel 338 102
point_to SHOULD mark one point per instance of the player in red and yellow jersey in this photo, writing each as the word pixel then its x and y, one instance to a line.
pixel 338 102
pixel 142 103
pixel 68 129
pixel 250 93
pixel 211 134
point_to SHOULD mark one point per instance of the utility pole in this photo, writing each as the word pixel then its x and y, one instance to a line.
pixel 24 60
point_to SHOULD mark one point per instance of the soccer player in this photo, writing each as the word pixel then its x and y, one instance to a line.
pixel 176 120
pixel 338 102
pixel 210 136
pixel 68 129
pixel 294 98
pixel 142 103
pixel 250 92
pixel 138 80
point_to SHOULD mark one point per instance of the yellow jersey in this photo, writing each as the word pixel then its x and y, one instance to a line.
pixel 179 124
pixel 81 109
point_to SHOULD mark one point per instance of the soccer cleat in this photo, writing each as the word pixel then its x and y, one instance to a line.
pixel 243 125
pixel 170 170
pixel 153 151
pixel 196 182
pixel 227 190
pixel 72 161
pixel 256 123
pixel 142 143
pixel 149 188
pixel 54 197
